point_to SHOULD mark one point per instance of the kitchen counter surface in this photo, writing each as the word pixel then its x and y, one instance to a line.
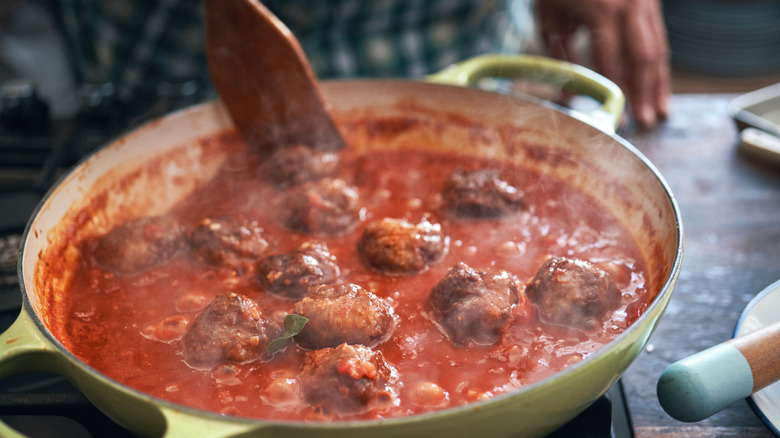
pixel 730 206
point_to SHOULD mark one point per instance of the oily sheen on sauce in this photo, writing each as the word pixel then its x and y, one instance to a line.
pixel 130 327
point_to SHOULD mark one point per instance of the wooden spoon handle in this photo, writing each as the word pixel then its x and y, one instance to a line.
pixel 263 77
pixel 698 386
pixel 761 349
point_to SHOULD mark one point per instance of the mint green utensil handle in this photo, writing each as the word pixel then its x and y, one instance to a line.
pixel 698 386
pixel 570 77
pixel 703 384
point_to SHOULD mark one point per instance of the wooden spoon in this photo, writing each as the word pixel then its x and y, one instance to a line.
pixel 264 78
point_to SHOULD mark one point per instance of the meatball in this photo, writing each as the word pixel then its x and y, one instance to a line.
pixel 227 242
pixel 295 164
pixel 397 246
pixel 290 274
pixel 139 244
pixel 472 306
pixel 480 194
pixel 572 293
pixel 327 206
pixel 232 328
pixel 343 313
pixel 348 379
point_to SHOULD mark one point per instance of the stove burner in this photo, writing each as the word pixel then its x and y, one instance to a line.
pixel 53 407
pixel 9 250
pixel 10 297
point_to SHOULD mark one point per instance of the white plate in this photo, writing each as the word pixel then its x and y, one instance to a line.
pixel 761 311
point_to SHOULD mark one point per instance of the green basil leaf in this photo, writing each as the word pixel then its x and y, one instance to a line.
pixel 277 345
pixel 293 324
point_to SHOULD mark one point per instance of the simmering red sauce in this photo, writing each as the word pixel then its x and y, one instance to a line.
pixel 129 327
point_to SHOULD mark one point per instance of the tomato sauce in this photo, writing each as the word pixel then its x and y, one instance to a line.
pixel 129 328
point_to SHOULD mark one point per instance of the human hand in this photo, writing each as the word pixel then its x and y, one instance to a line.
pixel 629 47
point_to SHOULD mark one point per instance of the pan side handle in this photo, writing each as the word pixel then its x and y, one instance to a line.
pixel 24 349
pixel 571 77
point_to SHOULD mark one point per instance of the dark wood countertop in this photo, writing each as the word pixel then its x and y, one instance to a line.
pixel 730 208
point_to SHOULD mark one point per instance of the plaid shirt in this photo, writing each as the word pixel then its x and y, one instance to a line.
pixel 137 44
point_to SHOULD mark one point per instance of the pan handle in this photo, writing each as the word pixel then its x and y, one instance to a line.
pixel 570 77
pixel 23 348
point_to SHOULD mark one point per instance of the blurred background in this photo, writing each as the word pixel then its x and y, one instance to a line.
pixel 720 45
pixel 716 46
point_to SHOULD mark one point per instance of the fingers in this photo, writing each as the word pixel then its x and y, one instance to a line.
pixel 606 31
pixel 663 64
pixel 556 31
pixel 647 59
pixel 629 47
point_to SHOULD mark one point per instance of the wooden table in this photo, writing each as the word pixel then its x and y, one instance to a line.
pixel 730 208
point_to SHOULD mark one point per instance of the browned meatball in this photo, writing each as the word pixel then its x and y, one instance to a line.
pixel 327 206
pixel 572 292
pixel 232 328
pixel 397 246
pixel 295 164
pixel 343 313
pixel 139 244
pixel 480 194
pixel 348 379
pixel 472 306
pixel 227 242
pixel 290 274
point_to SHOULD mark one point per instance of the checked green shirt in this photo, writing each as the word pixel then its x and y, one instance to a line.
pixel 136 44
